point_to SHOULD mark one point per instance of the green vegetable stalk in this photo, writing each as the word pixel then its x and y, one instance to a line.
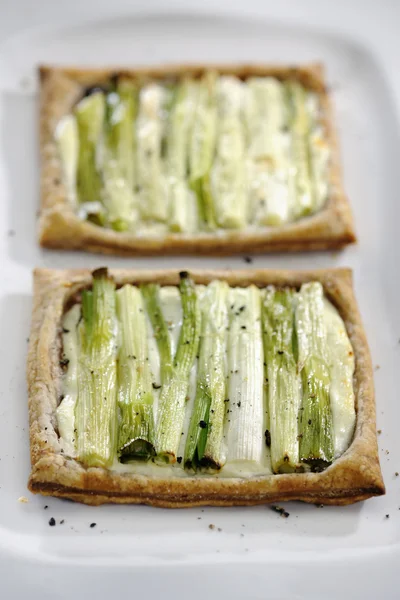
pixel 95 412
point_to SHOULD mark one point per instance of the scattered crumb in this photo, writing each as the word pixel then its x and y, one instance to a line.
pixel 52 522
pixel 280 511
pixel 211 526
pixel 379 431
pixel 92 525
pixel 247 259
pixel 242 535
pixel 62 521
pixel 396 474
pixel 198 518
pixel 23 499
pixel 377 367
pixel 319 505
pixel 386 451
pixel 11 233
pixel 219 529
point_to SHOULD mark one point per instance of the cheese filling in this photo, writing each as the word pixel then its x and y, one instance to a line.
pixel 196 156
pixel 247 342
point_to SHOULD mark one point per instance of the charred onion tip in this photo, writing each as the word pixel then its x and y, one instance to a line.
pixel 101 272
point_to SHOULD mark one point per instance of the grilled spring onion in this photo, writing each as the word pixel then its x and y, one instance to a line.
pixel 89 114
pixel 202 147
pixel 315 420
pixel 135 396
pixel 128 102
pixel 204 440
pixel 179 127
pixel 299 120
pixel 95 412
pixel 228 171
pixel 270 178
pixel 150 130
pixel 68 147
pixel 181 198
pixel 118 164
pixel 151 295
pixel 319 152
pixel 245 419
pixel 173 396
pixel 283 384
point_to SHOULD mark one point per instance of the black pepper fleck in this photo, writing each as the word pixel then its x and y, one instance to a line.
pixel 52 522
pixel 281 511
pixel 93 525
pixel 179 459
pixel 202 424
pixel 247 259
pixel 267 438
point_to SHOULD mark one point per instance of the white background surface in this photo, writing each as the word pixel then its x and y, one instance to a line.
pixel 317 553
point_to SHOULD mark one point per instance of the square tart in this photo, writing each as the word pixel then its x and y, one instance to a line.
pixel 354 476
pixel 60 227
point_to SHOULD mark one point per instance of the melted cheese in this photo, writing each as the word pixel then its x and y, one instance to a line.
pixel 341 372
pixel 66 409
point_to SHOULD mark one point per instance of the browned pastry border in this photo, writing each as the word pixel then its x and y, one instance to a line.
pixel 356 475
pixel 60 227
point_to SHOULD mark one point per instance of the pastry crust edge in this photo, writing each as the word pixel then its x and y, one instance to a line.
pixel 59 226
pixel 355 476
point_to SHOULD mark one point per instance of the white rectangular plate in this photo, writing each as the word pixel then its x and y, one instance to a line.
pixel 316 553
